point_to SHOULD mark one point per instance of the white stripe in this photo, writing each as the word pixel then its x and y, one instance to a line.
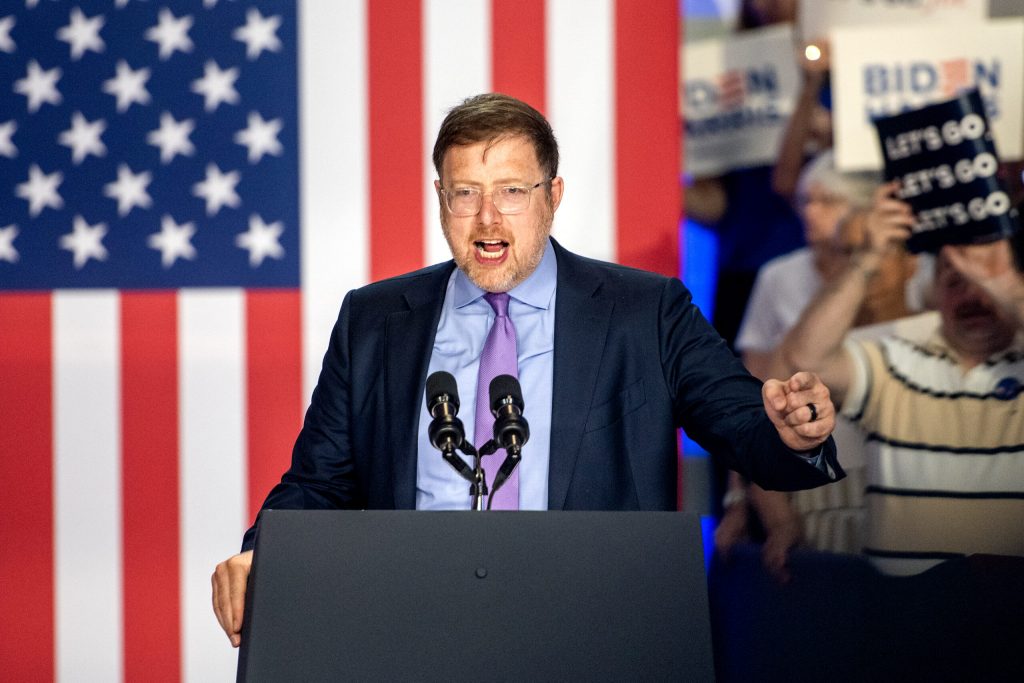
pixel 213 466
pixel 334 172
pixel 943 376
pixel 581 98
pixel 905 468
pixel 87 486
pixel 456 65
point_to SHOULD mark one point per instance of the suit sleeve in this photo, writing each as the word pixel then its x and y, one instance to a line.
pixel 718 403
pixel 322 471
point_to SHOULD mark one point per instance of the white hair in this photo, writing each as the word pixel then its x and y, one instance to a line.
pixel 856 187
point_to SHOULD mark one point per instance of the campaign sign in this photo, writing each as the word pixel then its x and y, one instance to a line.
pixel 945 159
pixel 883 71
pixel 735 97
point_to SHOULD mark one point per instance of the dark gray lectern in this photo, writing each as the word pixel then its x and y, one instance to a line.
pixel 477 596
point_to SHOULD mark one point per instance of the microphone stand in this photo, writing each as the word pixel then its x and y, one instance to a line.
pixel 478 489
pixel 475 475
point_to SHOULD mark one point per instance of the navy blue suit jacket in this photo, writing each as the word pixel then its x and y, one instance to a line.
pixel 634 360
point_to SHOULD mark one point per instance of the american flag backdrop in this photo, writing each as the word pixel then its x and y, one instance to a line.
pixel 187 190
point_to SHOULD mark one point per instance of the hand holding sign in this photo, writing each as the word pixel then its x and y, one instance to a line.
pixel 945 161
pixel 887 226
pixel 890 220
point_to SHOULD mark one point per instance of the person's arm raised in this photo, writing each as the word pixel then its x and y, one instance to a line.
pixel 815 343
pixel 792 150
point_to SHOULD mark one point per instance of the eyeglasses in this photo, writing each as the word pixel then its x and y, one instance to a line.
pixel 827 200
pixel 510 199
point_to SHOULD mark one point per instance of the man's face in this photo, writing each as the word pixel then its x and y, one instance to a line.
pixel 971 321
pixel 497 251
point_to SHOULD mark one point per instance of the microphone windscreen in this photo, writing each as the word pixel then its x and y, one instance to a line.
pixel 439 383
pixel 505 386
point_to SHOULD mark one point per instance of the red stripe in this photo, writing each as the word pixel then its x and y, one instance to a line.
pixel 682 163
pixel 647 134
pixel 149 433
pixel 518 45
pixel 274 386
pixel 26 468
pixel 395 137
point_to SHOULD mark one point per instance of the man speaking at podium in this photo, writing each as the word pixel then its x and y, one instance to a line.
pixel 610 360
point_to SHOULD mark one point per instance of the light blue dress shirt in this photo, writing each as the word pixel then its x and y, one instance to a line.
pixel 466 318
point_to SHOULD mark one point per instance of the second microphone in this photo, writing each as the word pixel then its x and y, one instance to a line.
pixel 511 430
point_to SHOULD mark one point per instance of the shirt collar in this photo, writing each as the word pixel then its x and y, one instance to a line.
pixel 939 345
pixel 535 291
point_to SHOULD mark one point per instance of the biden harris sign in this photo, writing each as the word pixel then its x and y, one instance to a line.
pixel 736 97
pixel 883 71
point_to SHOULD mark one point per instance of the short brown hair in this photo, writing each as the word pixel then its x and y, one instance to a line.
pixel 490 116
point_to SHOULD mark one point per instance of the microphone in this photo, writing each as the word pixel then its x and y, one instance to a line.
pixel 445 431
pixel 511 430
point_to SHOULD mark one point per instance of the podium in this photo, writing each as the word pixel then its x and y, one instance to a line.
pixel 476 596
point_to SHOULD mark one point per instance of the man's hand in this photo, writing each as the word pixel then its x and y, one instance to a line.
pixel 889 222
pixel 990 267
pixel 229 581
pixel 801 410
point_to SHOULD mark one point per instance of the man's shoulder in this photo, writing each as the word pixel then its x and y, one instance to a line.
pixel 890 354
pixel 918 329
pixel 910 339
pixel 907 348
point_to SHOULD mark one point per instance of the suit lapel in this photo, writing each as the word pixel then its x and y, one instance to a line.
pixel 581 325
pixel 408 341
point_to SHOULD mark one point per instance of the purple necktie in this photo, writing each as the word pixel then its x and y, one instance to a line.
pixel 499 357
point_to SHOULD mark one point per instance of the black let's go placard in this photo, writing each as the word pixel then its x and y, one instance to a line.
pixel 945 159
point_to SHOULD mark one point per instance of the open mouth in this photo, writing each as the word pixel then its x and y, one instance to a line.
pixel 491 250
pixel 972 311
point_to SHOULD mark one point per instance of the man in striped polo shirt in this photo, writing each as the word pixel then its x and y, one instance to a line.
pixel 941 397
